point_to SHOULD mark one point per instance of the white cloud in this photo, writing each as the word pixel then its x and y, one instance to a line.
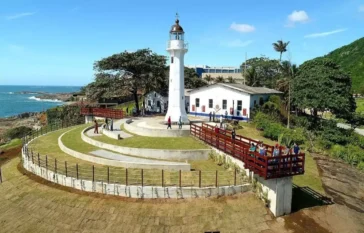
pixel 20 15
pixel 323 34
pixel 361 8
pixel 242 27
pixel 238 43
pixel 297 17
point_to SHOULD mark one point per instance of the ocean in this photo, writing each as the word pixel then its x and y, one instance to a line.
pixel 13 103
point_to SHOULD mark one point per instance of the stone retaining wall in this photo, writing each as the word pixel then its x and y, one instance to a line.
pixel 131 191
pixel 118 163
pixel 175 155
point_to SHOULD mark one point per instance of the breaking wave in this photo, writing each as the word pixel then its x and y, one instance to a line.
pixel 45 100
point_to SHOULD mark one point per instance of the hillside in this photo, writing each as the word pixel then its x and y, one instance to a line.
pixel 351 59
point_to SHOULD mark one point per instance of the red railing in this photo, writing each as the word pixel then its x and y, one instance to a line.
pixel 103 112
pixel 266 166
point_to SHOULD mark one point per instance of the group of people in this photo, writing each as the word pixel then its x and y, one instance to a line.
pixel 262 149
pixel 109 124
pixel 169 123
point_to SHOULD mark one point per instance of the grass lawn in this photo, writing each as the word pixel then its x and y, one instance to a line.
pixel 48 145
pixel 12 144
pixel 172 143
pixel 311 177
pixel 360 105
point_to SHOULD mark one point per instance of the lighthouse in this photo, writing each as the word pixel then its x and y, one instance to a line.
pixel 176 48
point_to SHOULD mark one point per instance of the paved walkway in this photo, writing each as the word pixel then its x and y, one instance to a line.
pixel 115 156
pixel 346 126
pixel 117 130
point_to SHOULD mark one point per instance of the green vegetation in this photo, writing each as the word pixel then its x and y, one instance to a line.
pixel 69 114
pixel 12 144
pixel 129 105
pixel 350 58
pixel 172 143
pixel 280 47
pixel 359 105
pixel 17 132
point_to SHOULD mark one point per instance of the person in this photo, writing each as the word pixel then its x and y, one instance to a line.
pixel 226 114
pixel 112 124
pixel 296 149
pixel 261 148
pixel 221 121
pixel 233 134
pixel 210 116
pixel 276 150
pixel 213 116
pixel 216 129
pixel 169 123
pixel 96 130
pixel 106 123
pixel 180 122
pixel 252 149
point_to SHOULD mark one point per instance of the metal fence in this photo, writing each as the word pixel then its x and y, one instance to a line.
pixel 128 176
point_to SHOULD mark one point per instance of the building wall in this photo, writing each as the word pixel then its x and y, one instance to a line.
pixel 218 94
pixel 152 98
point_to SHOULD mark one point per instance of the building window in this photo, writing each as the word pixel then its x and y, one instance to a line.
pixel 171 59
pixel 149 103
pixel 255 103
pixel 197 102
pixel 240 105
pixel 224 103
pixel 211 103
pixel 261 101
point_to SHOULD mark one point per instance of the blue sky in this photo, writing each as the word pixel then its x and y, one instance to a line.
pixel 49 42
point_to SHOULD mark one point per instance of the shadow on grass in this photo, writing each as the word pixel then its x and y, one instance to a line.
pixel 305 197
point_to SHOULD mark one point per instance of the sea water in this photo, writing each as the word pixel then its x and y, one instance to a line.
pixel 13 102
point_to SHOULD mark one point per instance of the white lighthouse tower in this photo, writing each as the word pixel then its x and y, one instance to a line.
pixel 177 48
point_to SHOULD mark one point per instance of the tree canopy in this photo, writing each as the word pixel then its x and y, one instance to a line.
pixel 131 72
pixel 321 85
pixel 280 47
pixel 192 80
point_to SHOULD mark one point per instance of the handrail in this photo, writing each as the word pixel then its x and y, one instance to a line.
pixel 266 166
pixel 103 112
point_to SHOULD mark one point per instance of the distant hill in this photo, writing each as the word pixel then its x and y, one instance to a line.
pixel 351 59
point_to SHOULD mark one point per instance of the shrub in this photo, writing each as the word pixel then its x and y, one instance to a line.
pixel 332 134
pixel 17 132
pixel 338 151
pixel 273 130
pixel 262 120
pixel 297 135
pixel 361 166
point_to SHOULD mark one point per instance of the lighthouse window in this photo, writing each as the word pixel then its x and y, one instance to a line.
pixel 171 59
pixel 197 101
pixel 211 103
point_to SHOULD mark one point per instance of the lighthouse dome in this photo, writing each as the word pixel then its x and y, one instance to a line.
pixel 176 27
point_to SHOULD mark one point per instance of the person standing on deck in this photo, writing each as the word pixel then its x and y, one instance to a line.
pixel 221 121
pixel 169 123
pixel 233 134
pixel 180 122
pixel 210 116
pixel 106 123
pixel 96 130
pixel 112 124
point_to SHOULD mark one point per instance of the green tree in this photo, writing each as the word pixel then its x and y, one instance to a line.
pixel 219 79
pixel 192 80
pixel 267 71
pixel 280 47
pixel 251 77
pixel 231 80
pixel 142 70
pixel 209 79
pixel 321 85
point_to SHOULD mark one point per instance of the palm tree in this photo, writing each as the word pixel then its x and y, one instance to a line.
pixel 284 84
pixel 219 79
pixel 251 77
pixel 230 79
pixel 280 47
pixel 209 79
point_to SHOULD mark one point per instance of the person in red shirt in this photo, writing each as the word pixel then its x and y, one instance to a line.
pixel 169 123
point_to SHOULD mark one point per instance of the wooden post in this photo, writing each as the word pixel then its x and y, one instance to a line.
pixel 180 178
pixel 162 178
pixel 142 177
pixel 32 157
pixel 41 130
pixel 55 165
pixel 47 162
pixel 235 177
pixel 93 173
pixel 77 171
pixel 126 177
pixel 216 179
pixel 65 167
pixel 199 178
pixel 108 174
pixel 38 160
pixel 1 176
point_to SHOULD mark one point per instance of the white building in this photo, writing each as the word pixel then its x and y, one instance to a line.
pixel 234 100
pixel 177 48
pixel 155 102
